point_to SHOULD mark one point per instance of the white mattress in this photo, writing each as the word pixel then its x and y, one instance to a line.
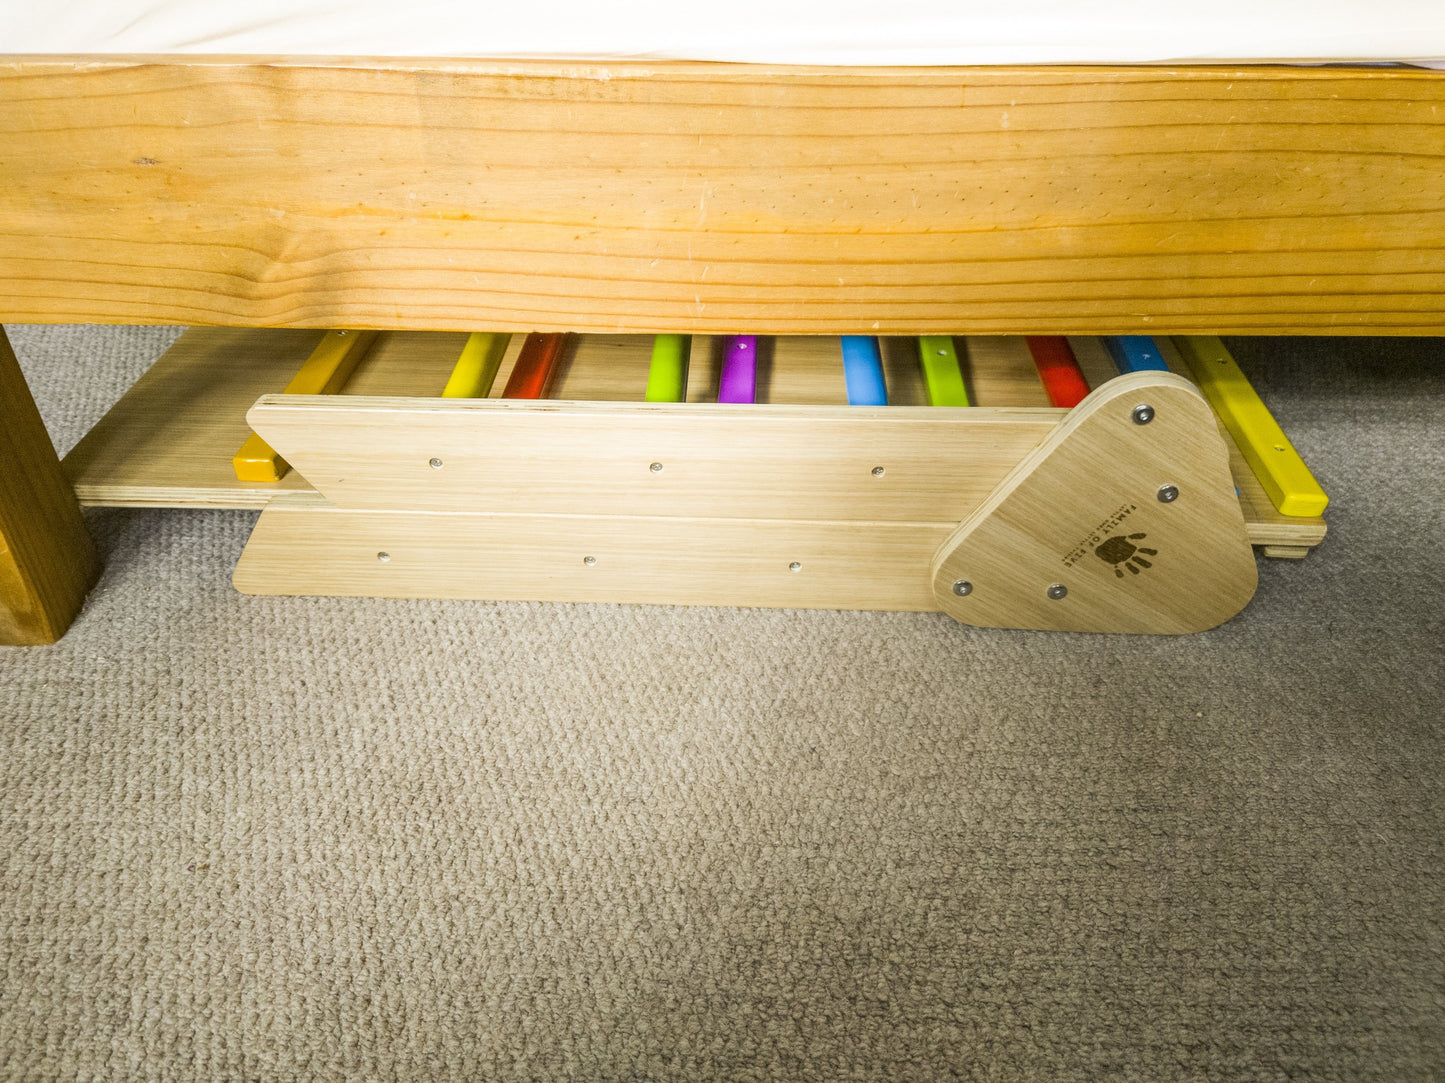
pixel 863 32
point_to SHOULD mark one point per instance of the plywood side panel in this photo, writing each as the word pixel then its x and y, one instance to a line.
pixel 716 198
pixel 301 545
pixel 558 458
pixel 1123 520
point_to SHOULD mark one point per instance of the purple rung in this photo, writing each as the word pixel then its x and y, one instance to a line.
pixel 739 381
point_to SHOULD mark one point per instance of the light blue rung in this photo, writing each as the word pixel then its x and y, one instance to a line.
pixel 1135 353
pixel 863 371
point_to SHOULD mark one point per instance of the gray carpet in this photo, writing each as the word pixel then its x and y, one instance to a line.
pixel 337 839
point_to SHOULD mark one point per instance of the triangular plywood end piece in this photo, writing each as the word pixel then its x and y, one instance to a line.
pixel 1114 523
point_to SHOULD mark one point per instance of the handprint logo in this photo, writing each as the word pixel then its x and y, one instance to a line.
pixel 1121 552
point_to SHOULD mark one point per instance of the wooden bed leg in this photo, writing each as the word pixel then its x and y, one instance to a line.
pixel 47 561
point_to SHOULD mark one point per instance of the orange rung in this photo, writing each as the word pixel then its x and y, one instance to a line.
pixel 535 367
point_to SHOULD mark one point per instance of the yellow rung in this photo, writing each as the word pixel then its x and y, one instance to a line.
pixel 258 461
pixel 324 373
pixel 1281 471
pixel 331 363
pixel 476 368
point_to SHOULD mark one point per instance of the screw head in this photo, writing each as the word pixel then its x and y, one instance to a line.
pixel 383 557
pixel 589 561
pixel 1168 494
pixel 1143 414
pixel 878 471
pixel 1057 591
pixel 435 464
pixel 656 468
pixel 962 587
pixel 795 567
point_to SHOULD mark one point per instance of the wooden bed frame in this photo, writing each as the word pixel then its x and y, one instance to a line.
pixel 631 197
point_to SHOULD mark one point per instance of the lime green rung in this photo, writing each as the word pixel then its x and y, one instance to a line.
pixel 941 371
pixel 1280 470
pixel 667 378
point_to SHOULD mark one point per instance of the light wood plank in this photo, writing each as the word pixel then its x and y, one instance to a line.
pixel 1111 525
pixel 1094 360
pixel 718 460
pixel 47 561
pixel 168 441
pixel 999 369
pixel 302 545
pixel 669 198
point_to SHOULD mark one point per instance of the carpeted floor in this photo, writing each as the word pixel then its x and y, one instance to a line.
pixel 339 839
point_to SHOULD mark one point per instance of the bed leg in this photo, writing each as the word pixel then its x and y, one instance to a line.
pixel 47 560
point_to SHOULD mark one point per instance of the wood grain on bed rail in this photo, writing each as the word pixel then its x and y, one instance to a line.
pixel 688 197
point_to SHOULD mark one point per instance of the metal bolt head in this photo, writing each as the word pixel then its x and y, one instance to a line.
pixel 656 468
pixel 795 567
pixel 589 561
pixel 1057 591
pixel 962 587
pixel 383 557
pixel 1168 494
pixel 878 471
pixel 435 464
pixel 1143 414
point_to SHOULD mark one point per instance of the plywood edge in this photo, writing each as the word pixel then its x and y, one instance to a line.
pixel 1306 534
pixel 272 406
pixel 310 500
pixel 107 495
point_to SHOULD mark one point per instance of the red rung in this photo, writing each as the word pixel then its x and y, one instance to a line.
pixel 1058 369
